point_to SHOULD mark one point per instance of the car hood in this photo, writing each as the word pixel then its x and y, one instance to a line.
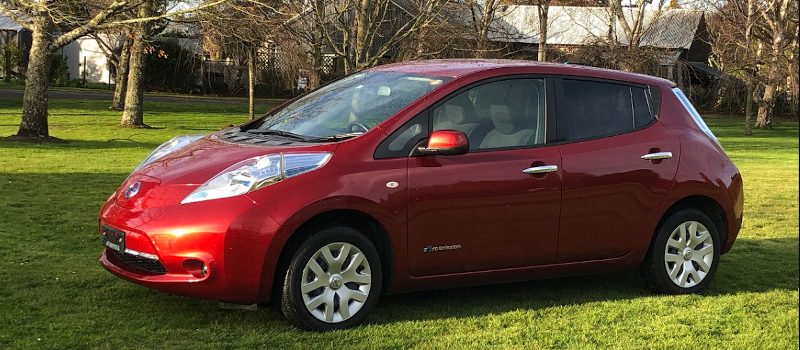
pixel 203 159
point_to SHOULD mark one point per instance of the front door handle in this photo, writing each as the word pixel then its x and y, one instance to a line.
pixel 541 169
pixel 657 156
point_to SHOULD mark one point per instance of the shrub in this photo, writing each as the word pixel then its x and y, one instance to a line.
pixel 171 67
pixel 59 71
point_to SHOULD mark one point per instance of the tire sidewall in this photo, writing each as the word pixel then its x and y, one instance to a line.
pixel 657 254
pixel 292 303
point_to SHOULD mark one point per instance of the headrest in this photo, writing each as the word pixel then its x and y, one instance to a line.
pixel 455 114
pixel 505 120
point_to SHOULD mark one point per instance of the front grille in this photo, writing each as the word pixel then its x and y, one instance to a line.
pixel 144 264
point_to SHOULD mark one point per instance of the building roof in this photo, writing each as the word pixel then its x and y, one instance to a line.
pixel 569 25
pixel 9 25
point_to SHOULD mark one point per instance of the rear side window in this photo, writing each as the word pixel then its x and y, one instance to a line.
pixel 596 109
pixel 643 110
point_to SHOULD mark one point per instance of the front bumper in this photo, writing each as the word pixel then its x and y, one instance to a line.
pixel 228 237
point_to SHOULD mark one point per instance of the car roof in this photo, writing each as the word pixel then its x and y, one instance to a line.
pixel 461 67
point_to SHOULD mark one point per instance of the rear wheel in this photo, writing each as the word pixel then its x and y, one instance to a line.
pixel 333 280
pixel 684 256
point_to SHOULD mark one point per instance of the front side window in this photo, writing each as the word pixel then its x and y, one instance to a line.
pixel 403 140
pixel 351 105
pixel 501 114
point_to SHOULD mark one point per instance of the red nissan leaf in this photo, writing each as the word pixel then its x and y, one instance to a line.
pixel 431 174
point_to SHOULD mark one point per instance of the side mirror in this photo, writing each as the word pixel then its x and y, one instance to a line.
pixel 446 143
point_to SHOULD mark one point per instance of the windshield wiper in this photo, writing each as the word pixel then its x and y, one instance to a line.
pixel 279 133
pixel 337 137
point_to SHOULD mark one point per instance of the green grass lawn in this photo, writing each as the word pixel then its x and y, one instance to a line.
pixel 55 295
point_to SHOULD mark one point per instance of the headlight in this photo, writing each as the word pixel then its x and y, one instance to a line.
pixel 254 173
pixel 170 146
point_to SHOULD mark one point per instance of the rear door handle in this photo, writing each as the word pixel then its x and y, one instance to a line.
pixel 657 156
pixel 541 169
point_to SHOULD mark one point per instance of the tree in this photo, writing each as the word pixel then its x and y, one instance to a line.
pixel 241 28
pixel 46 16
pixel 543 7
pixel 483 15
pixel 120 60
pixel 748 44
pixel 74 19
pixel 635 25
pixel 752 39
pixel 780 19
pixel 364 32
pixel 133 110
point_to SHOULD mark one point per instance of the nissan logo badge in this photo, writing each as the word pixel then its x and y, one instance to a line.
pixel 132 190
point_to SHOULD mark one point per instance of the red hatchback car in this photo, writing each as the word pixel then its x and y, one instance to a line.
pixel 431 174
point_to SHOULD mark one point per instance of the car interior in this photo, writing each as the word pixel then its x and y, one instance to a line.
pixel 496 115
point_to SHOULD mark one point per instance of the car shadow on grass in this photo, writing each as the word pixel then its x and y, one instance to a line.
pixel 752 266
pixel 747 269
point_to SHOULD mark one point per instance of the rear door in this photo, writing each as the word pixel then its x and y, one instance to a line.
pixel 618 166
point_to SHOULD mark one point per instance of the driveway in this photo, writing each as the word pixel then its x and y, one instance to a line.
pixel 108 96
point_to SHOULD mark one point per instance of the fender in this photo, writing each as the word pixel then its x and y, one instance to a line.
pixel 393 224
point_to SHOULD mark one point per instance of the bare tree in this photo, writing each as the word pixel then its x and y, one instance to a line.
pixel 240 29
pixel 301 44
pixel 635 24
pixel 748 44
pixel 133 110
pixel 483 16
pixel 120 60
pixel 752 39
pixel 363 32
pixel 781 23
pixel 731 26
pixel 478 28
pixel 543 7
pixel 46 16
pixel 74 19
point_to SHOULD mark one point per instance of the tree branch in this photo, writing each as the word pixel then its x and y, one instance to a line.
pixel 91 26
pixel 162 16
pixel 25 24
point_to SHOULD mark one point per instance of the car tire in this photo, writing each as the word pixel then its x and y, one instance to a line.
pixel 333 280
pixel 684 255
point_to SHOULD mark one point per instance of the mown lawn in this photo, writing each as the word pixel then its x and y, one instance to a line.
pixel 54 294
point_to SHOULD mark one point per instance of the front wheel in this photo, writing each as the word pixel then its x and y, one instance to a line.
pixel 684 255
pixel 333 281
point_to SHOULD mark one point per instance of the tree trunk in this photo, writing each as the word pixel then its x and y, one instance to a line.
pixel 748 105
pixel 7 61
pixel 544 6
pixel 748 35
pixel 34 103
pixel 133 114
pixel 766 103
pixel 251 76
pixel 315 77
pixel 121 84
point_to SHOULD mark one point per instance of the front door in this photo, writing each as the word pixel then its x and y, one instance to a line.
pixel 497 206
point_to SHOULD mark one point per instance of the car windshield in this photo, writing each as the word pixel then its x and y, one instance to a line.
pixel 349 106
